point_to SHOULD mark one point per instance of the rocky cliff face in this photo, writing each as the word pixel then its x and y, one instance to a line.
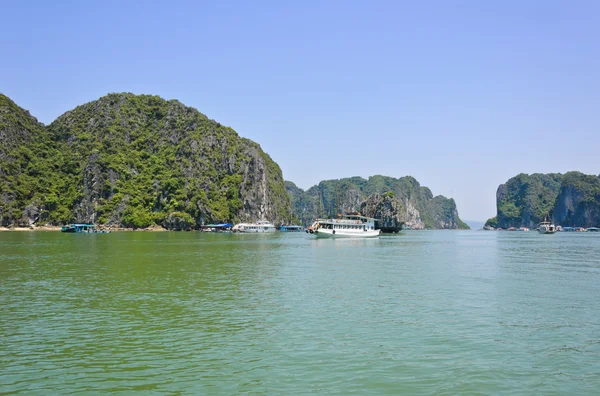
pixel 412 217
pixel 137 160
pixel 572 199
pixel 525 200
pixel 578 202
pixel 330 197
pixel 387 209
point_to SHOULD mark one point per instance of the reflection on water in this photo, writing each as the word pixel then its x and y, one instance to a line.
pixel 419 312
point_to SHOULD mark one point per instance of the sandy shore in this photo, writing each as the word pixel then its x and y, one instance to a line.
pixel 42 228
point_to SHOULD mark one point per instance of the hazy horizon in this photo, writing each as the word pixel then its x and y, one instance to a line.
pixel 460 96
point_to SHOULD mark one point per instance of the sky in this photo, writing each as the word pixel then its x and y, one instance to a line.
pixel 462 95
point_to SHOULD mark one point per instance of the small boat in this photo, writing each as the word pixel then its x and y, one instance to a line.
pixel 546 227
pixel 259 226
pixel 592 229
pixel 291 228
pixel 83 228
pixel 222 228
pixel 352 225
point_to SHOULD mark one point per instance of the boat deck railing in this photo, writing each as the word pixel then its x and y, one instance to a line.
pixel 341 221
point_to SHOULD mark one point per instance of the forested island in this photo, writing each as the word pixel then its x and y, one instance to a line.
pixel 139 161
pixel 570 200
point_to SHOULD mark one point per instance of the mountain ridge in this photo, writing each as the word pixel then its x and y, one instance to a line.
pixel 134 160
pixel 421 208
pixel 128 160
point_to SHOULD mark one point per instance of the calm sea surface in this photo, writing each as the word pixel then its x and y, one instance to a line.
pixel 423 312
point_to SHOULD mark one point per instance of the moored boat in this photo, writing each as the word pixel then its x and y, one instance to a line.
pixel 345 226
pixel 222 228
pixel 291 228
pixel 546 227
pixel 259 226
pixel 83 228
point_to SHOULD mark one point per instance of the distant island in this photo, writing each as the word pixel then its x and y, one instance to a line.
pixel 139 161
pixel 408 202
pixel 569 200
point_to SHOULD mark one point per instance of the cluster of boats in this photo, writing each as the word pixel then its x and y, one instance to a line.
pixel 547 227
pixel 352 225
pixel 344 226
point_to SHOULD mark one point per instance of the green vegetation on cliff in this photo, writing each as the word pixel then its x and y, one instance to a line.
pixel 569 199
pixel 133 160
pixel 578 202
pixel 29 164
pixel 526 199
pixel 331 197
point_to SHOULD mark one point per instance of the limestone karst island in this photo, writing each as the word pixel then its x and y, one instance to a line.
pixel 139 162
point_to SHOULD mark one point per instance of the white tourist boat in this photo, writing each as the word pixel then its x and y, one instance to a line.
pixel 259 226
pixel 353 226
pixel 547 227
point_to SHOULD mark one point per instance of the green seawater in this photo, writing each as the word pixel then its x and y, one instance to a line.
pixel 423 312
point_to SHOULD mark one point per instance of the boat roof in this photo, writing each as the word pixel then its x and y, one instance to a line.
pixel 342 217
pixel 81 225
pixel 261 223
pixel 354 216
pixel 291 226
pixel 224 225
pixel 593 228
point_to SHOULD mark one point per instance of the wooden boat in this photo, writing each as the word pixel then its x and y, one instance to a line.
pixel 83 228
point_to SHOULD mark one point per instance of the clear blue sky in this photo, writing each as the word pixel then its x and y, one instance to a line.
pixel 461 95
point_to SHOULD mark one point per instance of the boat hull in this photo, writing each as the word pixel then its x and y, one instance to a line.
pixel 324 233
pixel 266 230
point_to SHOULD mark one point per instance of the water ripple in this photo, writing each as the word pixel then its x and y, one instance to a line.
pixel 418 313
